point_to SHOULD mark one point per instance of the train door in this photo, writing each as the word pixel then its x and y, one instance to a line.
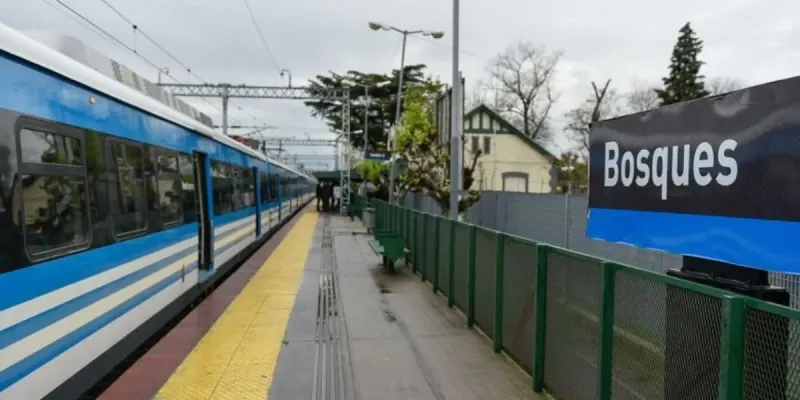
pixel 205 229
pixel 257 191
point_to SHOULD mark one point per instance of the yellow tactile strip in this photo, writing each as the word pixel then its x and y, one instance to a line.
pixel 236 359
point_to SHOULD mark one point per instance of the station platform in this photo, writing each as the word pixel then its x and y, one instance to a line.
pixel 313 315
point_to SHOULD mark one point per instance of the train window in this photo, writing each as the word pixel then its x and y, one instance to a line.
pixel 188 187
pixel 237 186
pixel 248 188
pixel 264 182
pixel 47 148
pixel 54 209
pixel 222 186
pixel 167 162
pixel 128 207
pixel 170 188
pixel 56 213
pixel 273 187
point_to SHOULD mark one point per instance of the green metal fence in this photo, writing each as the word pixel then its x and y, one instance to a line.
pixel 586 328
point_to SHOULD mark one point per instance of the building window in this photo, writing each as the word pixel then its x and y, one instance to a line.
pixel 128 206
pixel 487 145
pixel 170 188
pixel 474 143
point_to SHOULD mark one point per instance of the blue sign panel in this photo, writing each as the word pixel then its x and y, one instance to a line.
pixel 716 178
pixel 378 155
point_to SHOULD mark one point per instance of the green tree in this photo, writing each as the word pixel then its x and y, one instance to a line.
pixel 573 173
pixel 383 100
pixel 601 105
pixel 684 81
pixel 426 164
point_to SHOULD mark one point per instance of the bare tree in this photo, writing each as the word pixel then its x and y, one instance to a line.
pixel 641 98
pixel 521 76
pixel 601 105
pixel 720 85
pixel 478 94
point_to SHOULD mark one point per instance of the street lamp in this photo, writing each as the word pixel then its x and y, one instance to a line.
pixel 287 73
pixel 457 120
pixel 375 26
pixel 164 70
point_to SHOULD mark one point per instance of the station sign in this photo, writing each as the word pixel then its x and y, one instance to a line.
pixel 375 155
pixel 716 178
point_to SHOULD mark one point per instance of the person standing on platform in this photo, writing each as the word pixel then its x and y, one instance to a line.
pixel 326 197
pixel 319 196
pixel 337 197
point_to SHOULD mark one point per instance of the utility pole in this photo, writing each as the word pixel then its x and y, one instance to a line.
pixel 457 120
pixel 434 34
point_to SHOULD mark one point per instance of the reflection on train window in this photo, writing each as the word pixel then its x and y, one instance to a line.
pixel 222 186
pixel 128 209
pixel 273 187
pixel 248 188
pixel 187 185
pixel 56 216
pixel 264 188
pixel 236 177
pixel 168 164
pixel 47 148
pixel 170 188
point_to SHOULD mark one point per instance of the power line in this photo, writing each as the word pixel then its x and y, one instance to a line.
pixel 153 41
pixel 144 34
pixel 261 35
pixel 113 39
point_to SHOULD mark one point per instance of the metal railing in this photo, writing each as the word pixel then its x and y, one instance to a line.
pixel 586 328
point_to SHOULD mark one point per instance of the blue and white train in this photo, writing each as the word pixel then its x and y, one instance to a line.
pixel 116 212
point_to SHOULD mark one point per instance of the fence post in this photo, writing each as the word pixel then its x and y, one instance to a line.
pixel 451 298
pixel 731 364
pixel 540 330
pixel 606 332
pixel 497 336
pixel 471 278
pixel 436 251
pixel 414 247
pixel 425 247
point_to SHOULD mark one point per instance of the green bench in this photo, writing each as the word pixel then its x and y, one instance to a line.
pixel 390 247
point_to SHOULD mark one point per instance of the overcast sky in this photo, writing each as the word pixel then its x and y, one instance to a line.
pixel 623 40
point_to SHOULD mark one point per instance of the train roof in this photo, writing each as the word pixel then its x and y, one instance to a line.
pixel 22 46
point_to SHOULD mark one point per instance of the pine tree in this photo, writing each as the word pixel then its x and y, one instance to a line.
pixel 684 81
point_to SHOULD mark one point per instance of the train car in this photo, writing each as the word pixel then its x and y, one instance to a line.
pixel 116 212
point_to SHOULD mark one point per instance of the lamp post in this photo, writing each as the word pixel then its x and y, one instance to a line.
pixel 164 70
pixel 287 72
pixel 456 116
pixel 381 27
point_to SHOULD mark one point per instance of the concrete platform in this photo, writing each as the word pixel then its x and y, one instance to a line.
pixel 357 332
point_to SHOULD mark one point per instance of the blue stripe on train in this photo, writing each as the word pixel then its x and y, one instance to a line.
pixel 36 280
pixel 751 242
pixel 37 322
pixel 21 369
pixel 18 371
pixel 52 97
pixel 28 283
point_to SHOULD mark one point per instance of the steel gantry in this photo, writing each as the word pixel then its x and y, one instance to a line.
pixel 226 91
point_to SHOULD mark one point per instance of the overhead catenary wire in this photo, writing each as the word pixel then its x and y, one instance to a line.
pixel 86 22
pixel 144 34
pixel 261 35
